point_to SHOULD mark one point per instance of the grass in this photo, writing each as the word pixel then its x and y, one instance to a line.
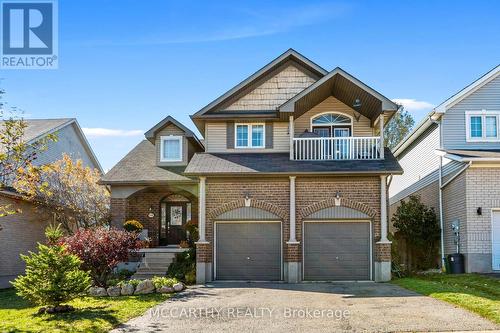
pixel 93 314
pixel 476 293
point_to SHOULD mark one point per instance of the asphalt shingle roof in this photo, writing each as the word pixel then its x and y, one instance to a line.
pixel 39 127
pixel 490 153
pixel 139 167
pixel 249 163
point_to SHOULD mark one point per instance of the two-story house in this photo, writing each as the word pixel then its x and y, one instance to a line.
pixel 289 183
pixel 20 232
pixel 452 161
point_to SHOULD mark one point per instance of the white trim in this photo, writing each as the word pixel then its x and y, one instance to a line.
pixel 371 263
pixel 483 114
pixel 453 100
pixel 491 244
pixel 171 138
pixel 249 137
pixel 246 221
pixel 331 112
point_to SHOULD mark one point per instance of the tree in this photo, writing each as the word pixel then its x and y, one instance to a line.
pixel 53 275
pixel 398 128
pixel 418 226
pixel 15 152
pixel 101 249
pixel 69 190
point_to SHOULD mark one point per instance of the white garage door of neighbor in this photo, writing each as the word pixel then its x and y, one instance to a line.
pixel 495 239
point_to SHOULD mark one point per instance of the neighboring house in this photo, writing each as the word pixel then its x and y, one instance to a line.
pixel 459 139
pixel 21 232
pixel 289 183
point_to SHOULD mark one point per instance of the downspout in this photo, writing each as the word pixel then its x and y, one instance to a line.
pixel 441 214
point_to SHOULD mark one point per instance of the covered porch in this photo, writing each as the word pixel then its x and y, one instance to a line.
pixel 165 211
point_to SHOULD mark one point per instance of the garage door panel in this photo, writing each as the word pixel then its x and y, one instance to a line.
pixel 248 251
pixel 336 251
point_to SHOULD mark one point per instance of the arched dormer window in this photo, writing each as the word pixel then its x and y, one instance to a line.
pixel 332 125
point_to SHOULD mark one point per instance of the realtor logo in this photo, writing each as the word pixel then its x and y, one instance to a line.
pixel 29 34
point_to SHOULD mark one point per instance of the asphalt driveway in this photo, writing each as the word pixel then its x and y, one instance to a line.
pixel 307 307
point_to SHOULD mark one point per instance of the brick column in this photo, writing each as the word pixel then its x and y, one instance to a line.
pixel 203 255
pixel 118 211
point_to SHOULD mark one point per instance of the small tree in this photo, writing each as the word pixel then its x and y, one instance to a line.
pixel 69 190
pixel 418 226
pixel 101 249
pixel 398 128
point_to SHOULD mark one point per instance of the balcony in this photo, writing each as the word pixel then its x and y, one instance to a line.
pixel 336 148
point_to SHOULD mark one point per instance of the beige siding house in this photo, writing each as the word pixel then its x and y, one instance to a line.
pixel 290 183
pixel 452 161
pixel 21 232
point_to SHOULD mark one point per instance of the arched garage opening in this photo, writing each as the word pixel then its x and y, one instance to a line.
pixel 337 245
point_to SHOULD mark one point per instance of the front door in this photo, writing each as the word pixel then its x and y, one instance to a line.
pixel 172 221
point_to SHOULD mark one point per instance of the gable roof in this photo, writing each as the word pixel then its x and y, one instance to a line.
pixel 150 134
pixel 39 128
pixel 344 87
pixel 474 86
pixel 439 110
pixel 290 54
pixel 139 167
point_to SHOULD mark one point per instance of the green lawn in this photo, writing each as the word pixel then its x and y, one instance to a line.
pixel 92 315
pixel 476 293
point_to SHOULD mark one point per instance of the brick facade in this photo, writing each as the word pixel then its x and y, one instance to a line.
pixel 139 205
pixel 20 234
pixel 312 194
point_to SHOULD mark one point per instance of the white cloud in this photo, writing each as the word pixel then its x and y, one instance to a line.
pixel 412 105
pixel 108 132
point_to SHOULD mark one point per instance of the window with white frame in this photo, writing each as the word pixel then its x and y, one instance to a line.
pixel 250 136
pixel 482 126
pixel 171 148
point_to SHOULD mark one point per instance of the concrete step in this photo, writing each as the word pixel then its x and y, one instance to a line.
pixel 145 276
pixel 158 260
pixel 159 255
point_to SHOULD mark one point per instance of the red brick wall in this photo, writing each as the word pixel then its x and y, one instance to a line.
pixel 362 193
pixel 137 207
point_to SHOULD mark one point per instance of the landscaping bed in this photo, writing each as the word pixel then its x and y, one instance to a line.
pixel 93 314
pixel 473 292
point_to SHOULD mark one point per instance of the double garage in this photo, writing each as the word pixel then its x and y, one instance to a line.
pixel 248 246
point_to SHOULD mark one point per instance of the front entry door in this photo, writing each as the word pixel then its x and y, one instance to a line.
pixel 172 221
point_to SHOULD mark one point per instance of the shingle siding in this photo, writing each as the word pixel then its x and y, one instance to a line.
pixel 454 131
pixel 275 91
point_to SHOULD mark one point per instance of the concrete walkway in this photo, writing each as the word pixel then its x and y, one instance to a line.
pixel 307 307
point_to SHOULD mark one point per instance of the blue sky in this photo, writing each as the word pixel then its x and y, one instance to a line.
pixel 125 65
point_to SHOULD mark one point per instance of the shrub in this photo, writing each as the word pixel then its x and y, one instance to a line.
pixel 53 276
pixel 133 225
pixel 418 226
pixel 53 234
pixel 184 267
pixel 134 282
pixel 160 281
pixel 101 249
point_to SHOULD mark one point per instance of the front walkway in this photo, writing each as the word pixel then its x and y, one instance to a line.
pixel 307 307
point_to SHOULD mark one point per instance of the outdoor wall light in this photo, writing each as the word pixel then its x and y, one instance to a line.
pixel 479 211
pixel 151 214
pixel 357 104
pixel 247 200
pixel 337 198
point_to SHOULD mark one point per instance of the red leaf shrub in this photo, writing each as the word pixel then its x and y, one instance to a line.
pixel 101 249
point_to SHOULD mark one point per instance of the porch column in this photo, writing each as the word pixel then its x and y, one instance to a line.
pixel 381 123
pixel 293 239
pixel 291 129
pixel 202 210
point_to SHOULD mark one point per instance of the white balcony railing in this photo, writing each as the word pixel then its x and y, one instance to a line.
pixel 339 148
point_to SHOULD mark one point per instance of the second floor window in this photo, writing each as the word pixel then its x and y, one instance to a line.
pixel 250 136
pixel 482 125
pixel 171 148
